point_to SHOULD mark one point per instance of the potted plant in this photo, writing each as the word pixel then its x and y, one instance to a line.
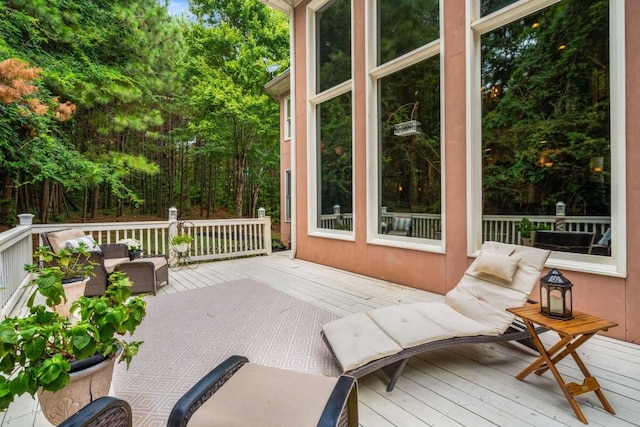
pixel 527 231
pixel 134 246
pixel 61 277
pixel 181 242
pixel 69 364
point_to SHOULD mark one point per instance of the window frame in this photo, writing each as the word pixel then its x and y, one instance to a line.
pixel 287 195
pixel 616 264
pixel 287 118
pixel 374 74
pixel 314 99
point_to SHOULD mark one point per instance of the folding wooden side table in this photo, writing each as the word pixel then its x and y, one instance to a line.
pixel 573 333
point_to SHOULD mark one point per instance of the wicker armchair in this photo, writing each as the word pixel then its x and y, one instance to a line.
pixel 238 393
pixel 102 412
pixel 105 261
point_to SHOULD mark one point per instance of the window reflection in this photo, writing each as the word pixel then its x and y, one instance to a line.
pixel 333 42
pixel 546 120
pixel 405 25
pixel 335 168
pixel 410 180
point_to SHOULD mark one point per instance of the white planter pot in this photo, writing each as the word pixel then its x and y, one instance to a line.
pixel 181 247
pixel 73 291
pixel 85 386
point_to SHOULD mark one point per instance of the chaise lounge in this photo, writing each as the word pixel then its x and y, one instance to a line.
pixel 474 311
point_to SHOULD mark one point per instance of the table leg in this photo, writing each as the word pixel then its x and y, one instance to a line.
pixel 545 357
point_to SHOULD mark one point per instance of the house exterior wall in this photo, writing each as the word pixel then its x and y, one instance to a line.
pixel 614 298
pixel 285 165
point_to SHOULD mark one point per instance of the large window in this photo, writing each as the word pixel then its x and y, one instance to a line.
pixel 407 82
pixel 546 125
pixel 330 139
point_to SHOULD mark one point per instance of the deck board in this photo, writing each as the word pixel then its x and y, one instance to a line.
pixel 466 385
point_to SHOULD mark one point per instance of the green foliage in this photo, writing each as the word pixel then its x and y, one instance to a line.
pixel 36 351
pixel 52 269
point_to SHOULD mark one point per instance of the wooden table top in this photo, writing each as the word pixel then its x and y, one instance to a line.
pixel 581 323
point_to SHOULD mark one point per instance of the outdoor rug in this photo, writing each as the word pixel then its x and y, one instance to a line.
pixel 188 333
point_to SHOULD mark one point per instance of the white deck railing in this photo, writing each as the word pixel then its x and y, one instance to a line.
pixel 499 228
pixel 213 239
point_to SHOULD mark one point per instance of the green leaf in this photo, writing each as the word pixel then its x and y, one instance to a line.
pixel 34 349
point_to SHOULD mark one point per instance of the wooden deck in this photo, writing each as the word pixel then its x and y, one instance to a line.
pixel 469 385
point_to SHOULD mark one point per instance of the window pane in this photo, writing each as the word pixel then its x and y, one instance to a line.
pixel 410 151
pixel 404 25
pixel 335 168
pixel 487 7
pixel 545 119
pixel 333 38
pixel 287 192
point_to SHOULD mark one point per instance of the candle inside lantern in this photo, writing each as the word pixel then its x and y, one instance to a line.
pixel 555 304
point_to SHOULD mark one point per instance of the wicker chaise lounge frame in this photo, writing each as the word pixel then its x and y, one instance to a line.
pixel 103 412
pixel 393 365
pixel 336 412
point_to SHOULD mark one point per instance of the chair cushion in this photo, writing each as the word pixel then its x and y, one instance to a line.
pixel 158 261
pixel 88 241
pixel 407 326
pixel 401 223
pixel 477 297
pixel 58 239
pixel 110 263
pixel 356 340
pixel 265 396
pixel 448 318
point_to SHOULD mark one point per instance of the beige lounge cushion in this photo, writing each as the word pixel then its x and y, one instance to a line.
pixel 58 239
pixel 264 396
pixel 111 263
pixel 476 296
pixel 408 327
pixel 356 340
pixel 449 319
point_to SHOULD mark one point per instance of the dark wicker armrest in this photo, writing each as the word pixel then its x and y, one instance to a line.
pixel 105 411
pixel 342 403
pixel 203 390
pixel 115 250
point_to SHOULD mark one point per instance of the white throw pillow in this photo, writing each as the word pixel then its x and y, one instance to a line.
pixel 88 241
pixel 496 264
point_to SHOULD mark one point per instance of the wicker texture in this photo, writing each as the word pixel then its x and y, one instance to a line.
pixel 103 412
pixel 97 284
pixel 146 273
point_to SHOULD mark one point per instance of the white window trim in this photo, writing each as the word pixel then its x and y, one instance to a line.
pixel 288 195
pixel 314 99
pixel 287 118
pixel 616 264
pixel 375 73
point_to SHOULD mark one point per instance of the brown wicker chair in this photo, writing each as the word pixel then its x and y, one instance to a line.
pixel 103 412
pixel 104 262
pixel 237 392
pixel 147 273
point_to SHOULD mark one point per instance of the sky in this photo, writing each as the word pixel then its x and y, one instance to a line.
pixel 177 7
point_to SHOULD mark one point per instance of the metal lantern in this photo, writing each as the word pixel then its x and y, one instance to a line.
pixel 555 296
pixel 262 212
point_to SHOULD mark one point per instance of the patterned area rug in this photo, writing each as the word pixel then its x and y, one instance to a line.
pixel 187 334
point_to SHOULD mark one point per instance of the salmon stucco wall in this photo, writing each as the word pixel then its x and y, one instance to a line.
pixel 615 298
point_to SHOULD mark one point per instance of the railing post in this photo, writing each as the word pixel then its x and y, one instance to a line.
pixel 267 234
